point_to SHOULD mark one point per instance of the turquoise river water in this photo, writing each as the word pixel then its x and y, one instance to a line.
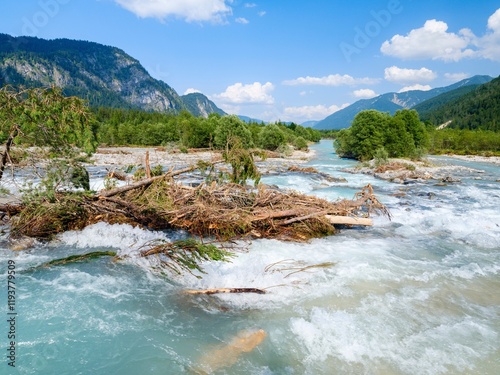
pixel 419 294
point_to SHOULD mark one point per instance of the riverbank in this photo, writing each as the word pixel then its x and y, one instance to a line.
pixel 122 157
pixel 404 171
pixel 477 158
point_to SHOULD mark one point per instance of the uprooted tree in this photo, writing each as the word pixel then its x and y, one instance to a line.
pixel 59 127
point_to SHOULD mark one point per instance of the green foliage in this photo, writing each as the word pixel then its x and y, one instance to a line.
pixel 231 130
pixel 476 110
pixel 242 164
pixel 271 137
pixel 157 170
pixel 381 157
pixel 46 118
pixel 63 127
pixel 185 255
pixel 198 132
pixel 399 135
pixel 464 141
pixel 366 135
pixel 300 143
pixel 77 258
pixel 133 127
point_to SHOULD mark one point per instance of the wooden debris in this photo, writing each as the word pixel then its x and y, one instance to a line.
pixel 148 166
pixel 226 211
pixel 347 220
pixel 226 355
pixel 226 290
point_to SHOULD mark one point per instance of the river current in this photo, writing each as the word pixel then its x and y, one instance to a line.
pixel 418 294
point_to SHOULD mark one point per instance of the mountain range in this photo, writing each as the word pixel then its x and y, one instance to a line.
pixel 104 75
pixel 391 102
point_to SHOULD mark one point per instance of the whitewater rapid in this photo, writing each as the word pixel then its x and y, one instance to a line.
pixel 418 294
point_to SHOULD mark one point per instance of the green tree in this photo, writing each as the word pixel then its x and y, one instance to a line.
pixel 414 127
pixel 365 136
pixel 45 118
pixel 271 137
pixel 229 130
pixel 398 141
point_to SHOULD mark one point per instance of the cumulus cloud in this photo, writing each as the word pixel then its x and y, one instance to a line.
pixel 432 41
pixel 312 112
pixel 416 87
pixel 262 13
pixel 254 93
pixel 364 93
pixel 190 10
pixel 489 44
pixel 401 75
pixel 250 5
pixel 191 91
pixel 330 80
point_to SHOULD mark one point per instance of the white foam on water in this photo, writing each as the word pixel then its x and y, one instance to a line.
pixel 124 237
pixel 379 335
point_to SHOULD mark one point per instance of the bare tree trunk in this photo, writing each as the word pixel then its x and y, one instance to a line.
pixel 148 167
pixel 226 290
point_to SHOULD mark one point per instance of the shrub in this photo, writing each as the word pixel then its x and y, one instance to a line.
pixel 271 137
pixel 231 130
pixel 300 143
pixel 381 157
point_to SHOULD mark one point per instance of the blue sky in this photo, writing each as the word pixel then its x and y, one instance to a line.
pixel 288 60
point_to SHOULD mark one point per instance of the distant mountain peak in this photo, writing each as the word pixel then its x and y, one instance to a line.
pixel 104 75
pixel 199 105
pixel 391 102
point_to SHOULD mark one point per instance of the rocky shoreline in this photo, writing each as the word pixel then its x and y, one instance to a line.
pixel 402 171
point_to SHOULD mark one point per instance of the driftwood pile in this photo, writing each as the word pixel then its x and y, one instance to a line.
pixel 224 211
pixel 221 210
pixel 213 210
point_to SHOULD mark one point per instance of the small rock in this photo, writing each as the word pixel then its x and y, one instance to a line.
pixel 450 179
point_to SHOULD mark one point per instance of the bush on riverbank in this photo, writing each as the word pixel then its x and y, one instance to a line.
pixel 401 135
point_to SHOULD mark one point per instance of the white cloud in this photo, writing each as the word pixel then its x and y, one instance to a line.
pixel 489 44
pixel 190 10
pixel 191 91
pixel 401 75
pixel 455 77
pixel 364 93
pixel 311 112
pixel 416 87
pixel 262 13
pixel 250 5
pixel 242 20
pixel 330 80
pixel 255 93
pixel 432 41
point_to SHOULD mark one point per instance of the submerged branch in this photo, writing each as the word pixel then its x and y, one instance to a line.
pixel 75 259
pixel 226 290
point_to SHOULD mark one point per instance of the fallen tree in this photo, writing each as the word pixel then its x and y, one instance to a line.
pixel 217 209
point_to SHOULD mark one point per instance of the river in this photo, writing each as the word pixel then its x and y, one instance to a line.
pixel 418 294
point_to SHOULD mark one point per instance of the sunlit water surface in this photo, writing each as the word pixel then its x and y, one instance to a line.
pixel 416 295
